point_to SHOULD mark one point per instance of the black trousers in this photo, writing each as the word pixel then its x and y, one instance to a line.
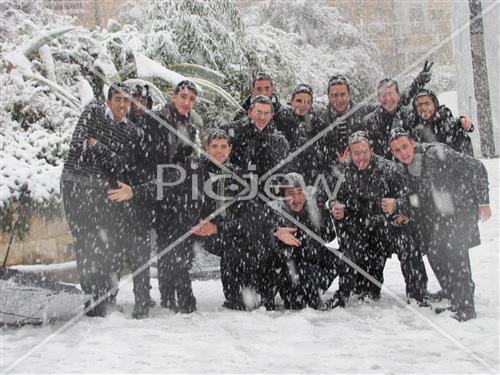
pixel 174 280
pixel 91 218
pixel 300 282
pixel 134 247
pixel 448 256
pixel 369 248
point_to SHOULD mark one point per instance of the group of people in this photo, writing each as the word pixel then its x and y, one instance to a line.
pixel 269 189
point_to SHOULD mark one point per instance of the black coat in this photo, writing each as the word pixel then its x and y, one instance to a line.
pixel 443 128
pixel 318 219
pixel 336 140
pixel 262 148
pixel 362 192
pixel 110 158
pixel 449 186
pixel 379 124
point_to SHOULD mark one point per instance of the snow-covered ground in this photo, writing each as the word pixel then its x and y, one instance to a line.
pixel 383 337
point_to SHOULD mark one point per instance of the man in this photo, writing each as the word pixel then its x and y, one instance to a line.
pixel 257 147
pixel 301 124
pixel 452 193
pixel 436 123
pixel 140 95
pixel 389 114
pixel 161 146
pixel 100 154
pixel 304 266
pixel 219 234
pixel 371 211
pixel 334 144
pixel 262 84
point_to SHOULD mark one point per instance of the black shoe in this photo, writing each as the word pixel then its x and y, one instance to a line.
pixel 151 302
pixel 436 297
pixel 234 305
pixel 336 301
pixel 442 309
pixel 98 311
pixel 464 315
pixel 141 311
pixel 187 305
pixel 170 304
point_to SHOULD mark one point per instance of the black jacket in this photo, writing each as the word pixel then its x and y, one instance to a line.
pixel 110 158
pixel 336 140
pixel 379 124
pixel 362 192
pixel 262 148
pixel 443 128
pixel 318 219
pixel 449 186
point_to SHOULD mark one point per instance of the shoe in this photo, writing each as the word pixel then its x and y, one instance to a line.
pixel 151 302
pixel 336 301
pixel 464 315
pixel 187 306
pixel 141 311
pixel 442 309
pixel 170 304
pixel 436 297
pixel 98 311
pixel 234 305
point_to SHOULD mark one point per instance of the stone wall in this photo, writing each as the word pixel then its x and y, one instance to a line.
pixel 49 241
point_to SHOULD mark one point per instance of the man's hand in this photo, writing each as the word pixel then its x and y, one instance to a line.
pixel 286 236
pixel 484 212
pixel 123 193
pixel 344 155
pixel 207 229
pixel 388 205
pixel 425 75
pixel 401 219
pixel 338 210
pixel 465 123
pixel 91 141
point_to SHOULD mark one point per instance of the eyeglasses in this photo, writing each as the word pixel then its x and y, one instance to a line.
pixel 259 113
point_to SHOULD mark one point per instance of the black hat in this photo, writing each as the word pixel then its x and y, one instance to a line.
pixel 387 82
pixel 359 136
pixel 261 99
pixel 425 92
pixel 302 88
pixel 398 133
pixel 188 84
pixel 118 87
pixel 338 79
pixel 142 91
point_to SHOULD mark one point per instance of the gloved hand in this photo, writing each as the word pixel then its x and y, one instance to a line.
pixel 425 75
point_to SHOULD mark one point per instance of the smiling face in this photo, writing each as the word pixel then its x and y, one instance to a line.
pixel 425 107
pixel 119 105
pixel 339 97
pixel 295 198
pixel 261 114
pixel 301 103
pixel 219 149
pixel 361 154
pixel 262 87
pixel 403 149
pixel 184 100
pixel 389 97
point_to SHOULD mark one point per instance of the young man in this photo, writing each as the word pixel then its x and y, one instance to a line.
pixel 452 193
pixel 257 147
pixel 371 211
pixel 100 154
pixel 304 266
pixel 436 123
pixel 161 146
pixel 219 234
pixel 141 95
